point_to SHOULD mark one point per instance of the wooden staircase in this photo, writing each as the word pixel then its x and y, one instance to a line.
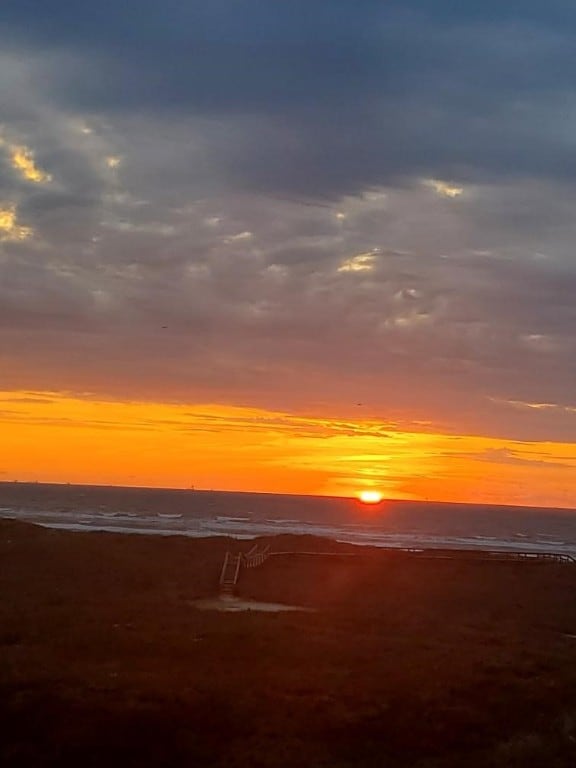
pixel 229 574
pixel 232 564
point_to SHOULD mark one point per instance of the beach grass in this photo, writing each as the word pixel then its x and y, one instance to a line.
pixel 105 660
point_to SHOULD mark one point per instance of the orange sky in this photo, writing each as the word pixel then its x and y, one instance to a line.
pixel 48 437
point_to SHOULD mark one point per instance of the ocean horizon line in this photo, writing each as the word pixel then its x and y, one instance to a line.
pixel 194 490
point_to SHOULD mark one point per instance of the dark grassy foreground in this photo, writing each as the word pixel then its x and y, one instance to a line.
pixel 434 664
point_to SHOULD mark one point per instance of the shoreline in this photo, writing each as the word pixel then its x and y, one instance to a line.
pixel 249 516
pixel 209 527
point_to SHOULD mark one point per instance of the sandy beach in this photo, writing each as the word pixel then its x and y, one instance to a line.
pixel 106 659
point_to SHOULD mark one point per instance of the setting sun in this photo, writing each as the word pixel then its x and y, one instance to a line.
pixel 370 497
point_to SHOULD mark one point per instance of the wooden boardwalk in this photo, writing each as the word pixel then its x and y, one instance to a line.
pixel 449 554
pixel 233 563
pixel 492 555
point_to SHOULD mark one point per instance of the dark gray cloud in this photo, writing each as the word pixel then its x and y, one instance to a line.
pixel 393 89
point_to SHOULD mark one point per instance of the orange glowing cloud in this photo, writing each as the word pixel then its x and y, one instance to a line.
pixel 10 229
pixel 49 437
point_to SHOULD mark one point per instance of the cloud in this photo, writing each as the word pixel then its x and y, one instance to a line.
pixel 362 262
pixel 394 91
pixel 522 455
pixel 198 204
pixel 542 406
pixel 23 162
pixel 10 229
pixel 444 188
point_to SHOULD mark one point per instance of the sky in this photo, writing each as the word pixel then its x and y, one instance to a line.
pixel 290 246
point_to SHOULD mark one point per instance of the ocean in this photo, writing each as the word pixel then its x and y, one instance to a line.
pixel 400 524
